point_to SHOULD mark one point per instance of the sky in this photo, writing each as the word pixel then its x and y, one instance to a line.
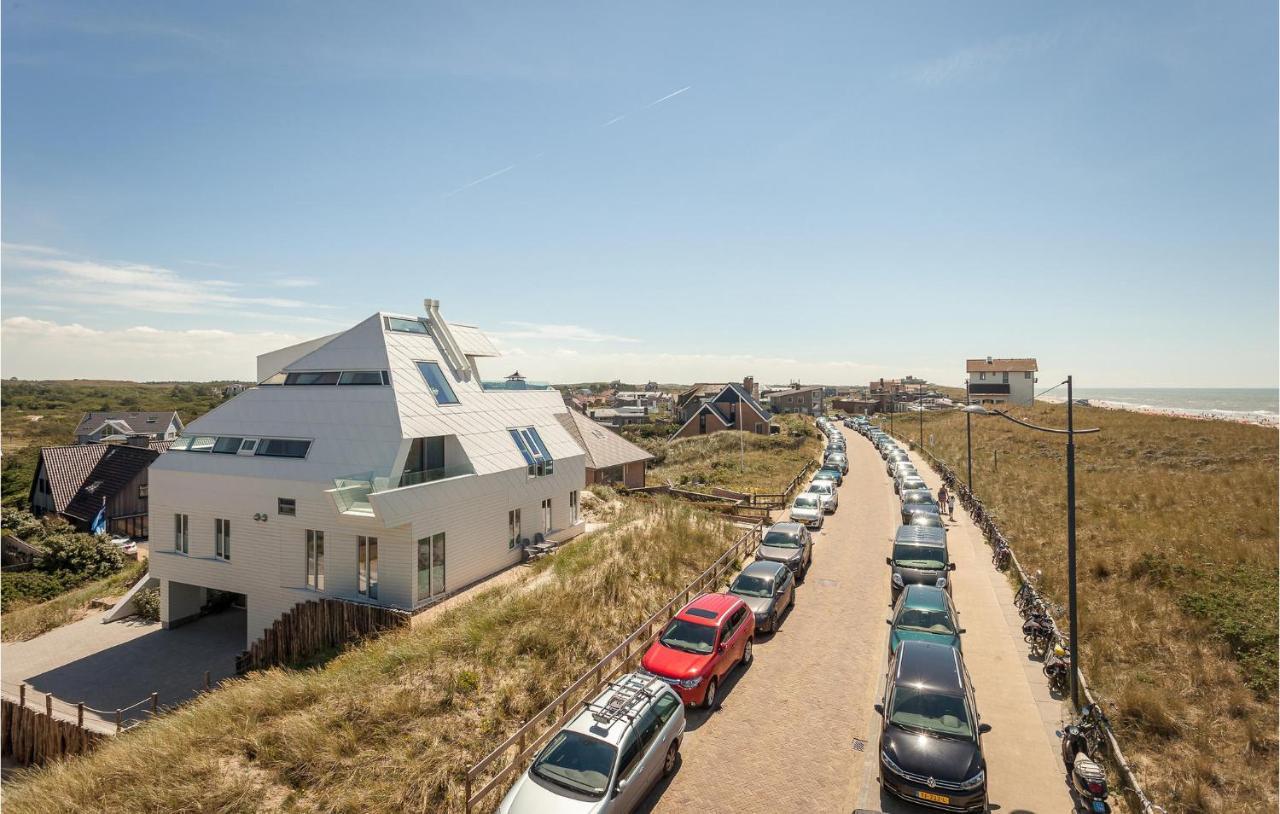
pixel 818 192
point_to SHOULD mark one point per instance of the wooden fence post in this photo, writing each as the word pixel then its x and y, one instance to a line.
pixel 155 703
pixel 118 721
pixel 80 714
pixel 206 680
pixel 48 704
pixel 22 694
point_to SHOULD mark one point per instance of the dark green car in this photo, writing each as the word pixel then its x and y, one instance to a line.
pixel 924 613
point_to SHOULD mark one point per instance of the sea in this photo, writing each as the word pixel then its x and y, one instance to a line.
pixel 1254 404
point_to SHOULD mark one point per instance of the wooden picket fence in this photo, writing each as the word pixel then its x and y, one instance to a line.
pixel 31 737
pixel 316 626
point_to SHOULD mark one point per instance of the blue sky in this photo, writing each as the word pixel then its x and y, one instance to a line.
pixel 835 192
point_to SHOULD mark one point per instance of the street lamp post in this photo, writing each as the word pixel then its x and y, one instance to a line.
pixel 1072 610
pixel 920 407
pixel 968 435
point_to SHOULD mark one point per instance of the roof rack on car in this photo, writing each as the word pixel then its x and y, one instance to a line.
pixel 621 704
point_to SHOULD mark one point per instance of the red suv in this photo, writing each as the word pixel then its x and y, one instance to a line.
pixel 701 645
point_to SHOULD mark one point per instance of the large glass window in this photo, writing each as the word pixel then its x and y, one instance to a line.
pixel 312 377
pixel 431 567
pixel 367 566
pixel 283 448
pixel 408 326
pixel 437 383
pixel 227 446
pixel 315 560
pixel 533 450
pixel 513 528
pixel 361 377
pixel 180 536
pixel 222 538
pixel 573 508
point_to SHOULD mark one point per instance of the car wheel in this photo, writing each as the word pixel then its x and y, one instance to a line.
pixel 747 654
pixel 772 625
pixel 709 700
pixel 669 762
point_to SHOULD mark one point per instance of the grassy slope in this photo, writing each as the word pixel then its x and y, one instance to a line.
pixel 745 462
pixel 44 413
pixel 1178 581
pixel 392 725
pixel 32 620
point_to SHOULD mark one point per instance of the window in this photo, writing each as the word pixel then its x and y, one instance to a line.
pixel 437 383
pixel 665 706
pixel 142 491
pixel 362 377
pixel 367 566
pixel 222 538
pixel 312 377
pixel 283 448
pixel 315 560
pixel 573 508
pixel 534 451
pixel 180 538
pixel 702 423
pixel 1027 375
pixel 202 443
pixel 287 506
pixel 546 515
pixel 407 326
pixel 982 376
pixel 227 446
pixel 431 567
pixel 1005 380
pixel 513 528
pixel 249 445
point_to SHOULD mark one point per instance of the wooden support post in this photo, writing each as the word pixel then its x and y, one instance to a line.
pixel 118 721
pixel 80 714
pixel 22 694
pixel 155 703
pixel 466 803
pixel 48 704
pixel 206 680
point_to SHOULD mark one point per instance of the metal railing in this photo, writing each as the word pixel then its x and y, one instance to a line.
pixel 993 536
pixel 102 721
pixel 550 719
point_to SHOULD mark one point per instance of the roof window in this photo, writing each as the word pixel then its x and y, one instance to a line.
pixel 407 326
pixel 534 451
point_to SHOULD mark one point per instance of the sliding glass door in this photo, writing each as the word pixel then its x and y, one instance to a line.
pixel 431 567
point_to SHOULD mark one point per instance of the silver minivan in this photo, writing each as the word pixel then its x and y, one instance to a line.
pixel 609 756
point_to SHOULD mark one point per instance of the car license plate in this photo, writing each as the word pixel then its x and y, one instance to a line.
pixel 933 798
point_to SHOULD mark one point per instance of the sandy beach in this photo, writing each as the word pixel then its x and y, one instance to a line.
pixel 1261 419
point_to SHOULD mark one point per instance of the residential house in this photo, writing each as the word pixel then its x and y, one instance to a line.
pixel 852 405
pixel 76 482
pixel 688 402
pixel 372 465
pixel 620 416
pixel 807 400
pixel 1002 381
pixel 610 458
pixel 117 426
pixel 731 408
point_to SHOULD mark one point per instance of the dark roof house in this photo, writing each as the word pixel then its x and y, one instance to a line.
pixel 73 481
pixel 99 425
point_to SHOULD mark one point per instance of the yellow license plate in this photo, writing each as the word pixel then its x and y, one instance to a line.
pixel 933 798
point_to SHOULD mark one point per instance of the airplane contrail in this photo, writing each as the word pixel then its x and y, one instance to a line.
pixel 654 103
pixel 480 180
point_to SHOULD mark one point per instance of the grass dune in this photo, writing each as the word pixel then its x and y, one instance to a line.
pixel 744 462
pixel 392 725
pixel 1178 580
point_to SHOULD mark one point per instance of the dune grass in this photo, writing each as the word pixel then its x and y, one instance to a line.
pixel 30 621
pixel 744 462
pixel 392 725
pixel 1177 580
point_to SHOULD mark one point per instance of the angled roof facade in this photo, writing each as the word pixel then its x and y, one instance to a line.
pixel 604 447
pixel 126 423
pixel 82 475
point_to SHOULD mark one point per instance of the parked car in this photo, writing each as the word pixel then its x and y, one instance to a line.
pixel 918 500
pixel 837 460
pixel 807 509
pixel 919 558
pixel 700 645
pixel 827 473
pixel 769 589
pixel 902 465
pixel 893 458
pixel 790 544
pixel 924 613
pixel 927 519
pixel 826 491
pixel 905 475
pixel 126 545
pixel 609 756
pixel 930 731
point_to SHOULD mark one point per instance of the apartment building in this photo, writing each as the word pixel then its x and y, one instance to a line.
pixel 1002 381
pixel 371 465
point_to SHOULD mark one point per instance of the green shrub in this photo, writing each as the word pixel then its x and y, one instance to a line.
pixel 147 603
pixel 79 555
pixel 28 587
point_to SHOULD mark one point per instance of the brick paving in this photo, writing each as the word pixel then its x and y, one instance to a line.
pixel 787 734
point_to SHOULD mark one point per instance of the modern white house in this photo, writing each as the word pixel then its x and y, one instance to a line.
pixel 372 465
pixel 1002 381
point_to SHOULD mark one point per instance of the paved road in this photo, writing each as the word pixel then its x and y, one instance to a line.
pixel 796 731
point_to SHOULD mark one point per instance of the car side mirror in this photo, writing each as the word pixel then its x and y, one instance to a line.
pixel 951 566
pixel 960 631
pixel 984 729
pixel 621 786
pixel 888 621
pixel 888 561
pixel 720 648
pixel 879 708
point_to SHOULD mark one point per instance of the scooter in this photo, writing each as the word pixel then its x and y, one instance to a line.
pixel 1057 668
pixel 1088 779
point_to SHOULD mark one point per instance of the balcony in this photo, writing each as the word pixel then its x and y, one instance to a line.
pixel 510 385
pixel 351 492
pixel 989 389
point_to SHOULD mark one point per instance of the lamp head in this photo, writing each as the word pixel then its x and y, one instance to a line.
pixel 976 409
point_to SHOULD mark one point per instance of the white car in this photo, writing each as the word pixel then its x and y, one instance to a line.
pixel 609 756
pixel 807 510
pixel 125 545
pixel 827 493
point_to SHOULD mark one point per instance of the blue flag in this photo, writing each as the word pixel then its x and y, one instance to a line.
pixel 99 524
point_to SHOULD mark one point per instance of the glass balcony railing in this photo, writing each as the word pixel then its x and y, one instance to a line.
pixel 428 475
pixel 518 384
pixel 351 492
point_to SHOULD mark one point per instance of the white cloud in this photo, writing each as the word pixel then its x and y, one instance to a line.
pixel 54 275
pixel 978 59
pixel 40 349
pixel 557 333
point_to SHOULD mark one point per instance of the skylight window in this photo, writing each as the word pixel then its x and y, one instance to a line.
pixel 437 383
pixel 313 377
pixel 534 451
pixel 283 448
pixel 363 377
pixel 407 326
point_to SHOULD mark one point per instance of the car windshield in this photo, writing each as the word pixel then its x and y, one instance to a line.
pixel 576 762
pixel 925 621
pixel 917 497
pixel 926 519
pixel 923 710
pixel 780 539
pixel 803 502
pixel 826 474
pixel 690 637
pixel 919 556
pixel 823 488
pixel 748 585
